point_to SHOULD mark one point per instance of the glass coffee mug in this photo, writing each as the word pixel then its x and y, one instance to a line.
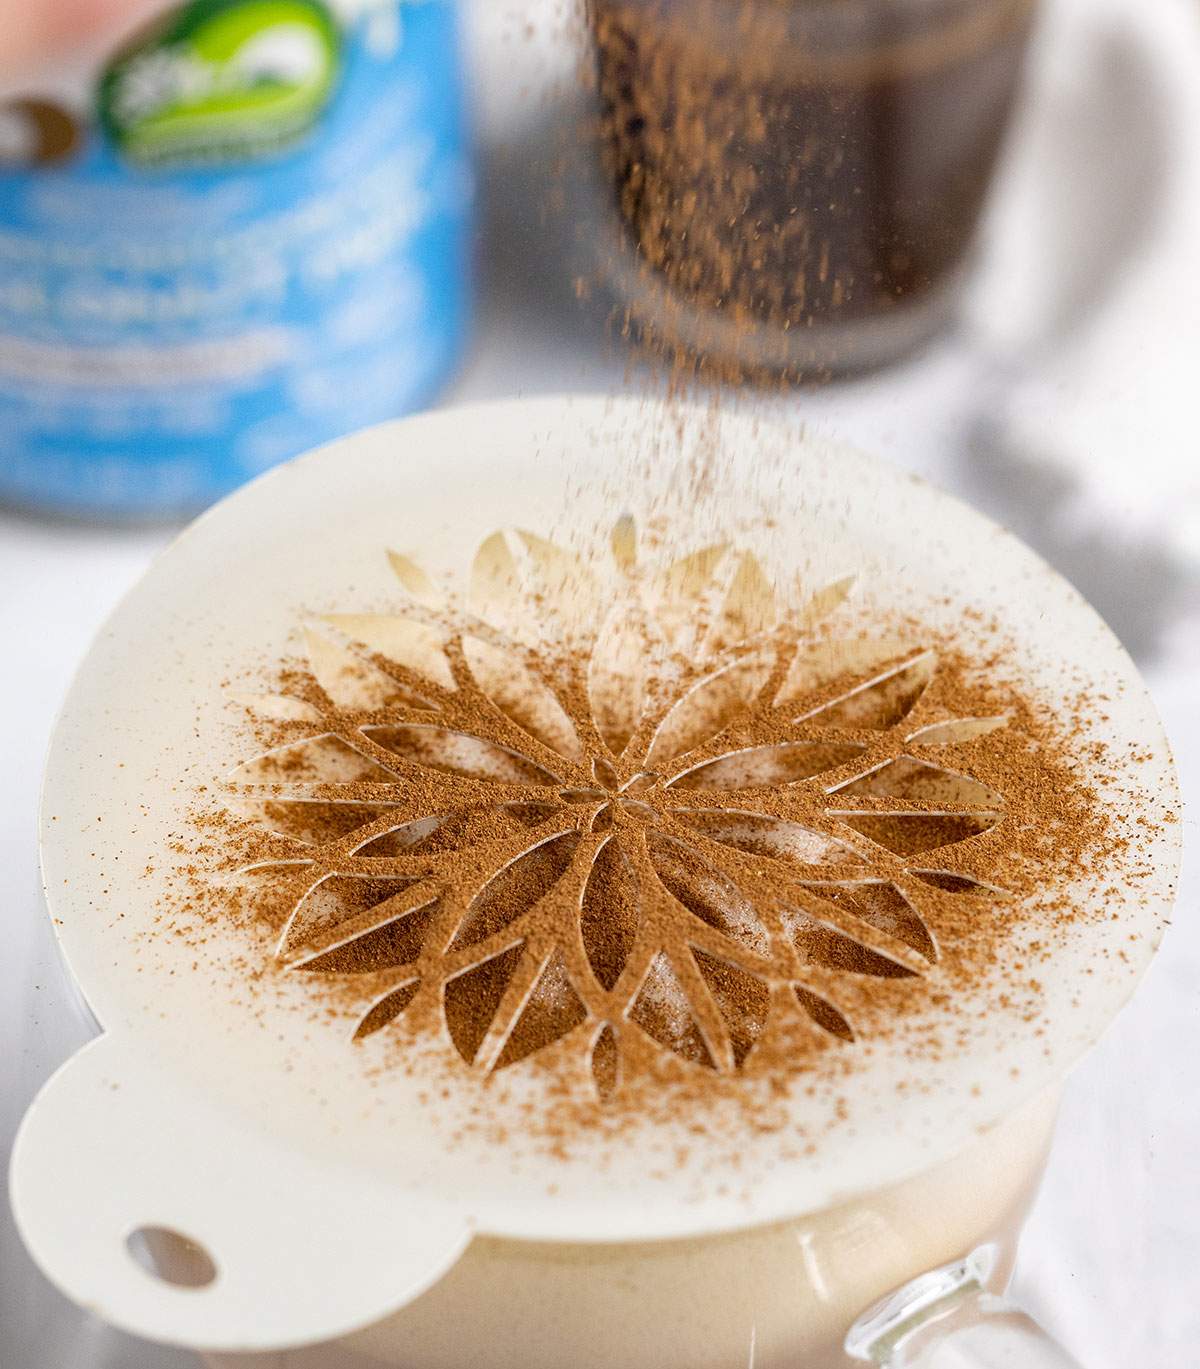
pixel 568 925
pixel 782 1296
pixel 799 182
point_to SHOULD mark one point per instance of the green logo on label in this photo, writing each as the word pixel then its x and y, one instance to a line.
pixel 221 81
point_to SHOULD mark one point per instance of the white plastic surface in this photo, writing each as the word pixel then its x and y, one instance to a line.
pixel 301 1252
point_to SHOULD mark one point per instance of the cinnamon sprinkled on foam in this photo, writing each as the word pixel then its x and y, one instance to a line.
pixel 697 842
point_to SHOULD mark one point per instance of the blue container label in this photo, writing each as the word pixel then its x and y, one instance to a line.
pixel 253 239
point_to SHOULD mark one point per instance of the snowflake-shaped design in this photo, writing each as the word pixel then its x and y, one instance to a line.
pixel 612 806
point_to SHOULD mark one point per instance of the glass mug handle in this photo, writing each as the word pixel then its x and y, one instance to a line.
pixel 947 1319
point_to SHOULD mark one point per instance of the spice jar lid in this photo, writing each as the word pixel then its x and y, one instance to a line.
pixel 574 820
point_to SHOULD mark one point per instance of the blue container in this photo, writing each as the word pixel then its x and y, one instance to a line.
pixel 248 234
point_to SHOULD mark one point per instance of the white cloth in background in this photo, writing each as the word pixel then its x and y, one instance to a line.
pixel 1090 301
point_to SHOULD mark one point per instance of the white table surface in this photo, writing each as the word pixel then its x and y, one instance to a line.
pixel 1062 406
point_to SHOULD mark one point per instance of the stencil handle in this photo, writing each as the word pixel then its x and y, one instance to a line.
pixel 184 1223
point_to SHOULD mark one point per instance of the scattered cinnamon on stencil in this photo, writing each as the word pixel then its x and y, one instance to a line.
pixel 679 846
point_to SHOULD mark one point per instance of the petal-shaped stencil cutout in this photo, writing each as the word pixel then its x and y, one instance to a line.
pixel 496 591
pixel 882 702
pixel 314 821
pixel 624 542
pixel 951 883
pixel 956 730
pixel 826 601
pixel 743 1000
pixel 280 708
pixel 689 579
pixel 326 759
pixel 908 834
pixel 641 783
pixel 906 778
pixel 706 892
pixel 661 1010
pixel 883 906
pixel 458 753
pixel 605 1064
pixel 515 889
pixel 551 1011
pixel 566 588
pixel 458 831
pixel 276 869
pixel 350 682
pixel 339 901
pixel 749 607
pixel 825 1015
pixel 414 579
pixel 400 841
pixel 395 943
pixel 271 890
pixel 605 774
pixel 603 821
pixel 707 709
pixel 415 646
pixel 818 665
pixel 529 814
pixel 617 679
pixel 766 836
pixel 768 766
pixel 611 913
pixel 470 1000
pixel 821 945
pixel 521 696
pixel 387 1009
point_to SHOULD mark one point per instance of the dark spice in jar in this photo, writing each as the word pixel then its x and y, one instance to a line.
pixel 799 165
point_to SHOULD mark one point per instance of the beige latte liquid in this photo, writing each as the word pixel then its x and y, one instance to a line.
pixel 777 1297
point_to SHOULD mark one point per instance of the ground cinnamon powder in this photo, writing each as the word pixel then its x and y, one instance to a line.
pixel 806 880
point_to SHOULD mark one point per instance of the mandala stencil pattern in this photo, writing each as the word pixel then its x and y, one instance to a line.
pixel 614 807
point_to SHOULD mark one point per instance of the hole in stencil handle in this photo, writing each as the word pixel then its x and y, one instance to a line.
pixel 171 1256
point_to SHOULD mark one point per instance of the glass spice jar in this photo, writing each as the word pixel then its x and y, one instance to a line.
pixel 800 181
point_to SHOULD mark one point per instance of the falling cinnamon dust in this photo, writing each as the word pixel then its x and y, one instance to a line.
pixel 798 186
